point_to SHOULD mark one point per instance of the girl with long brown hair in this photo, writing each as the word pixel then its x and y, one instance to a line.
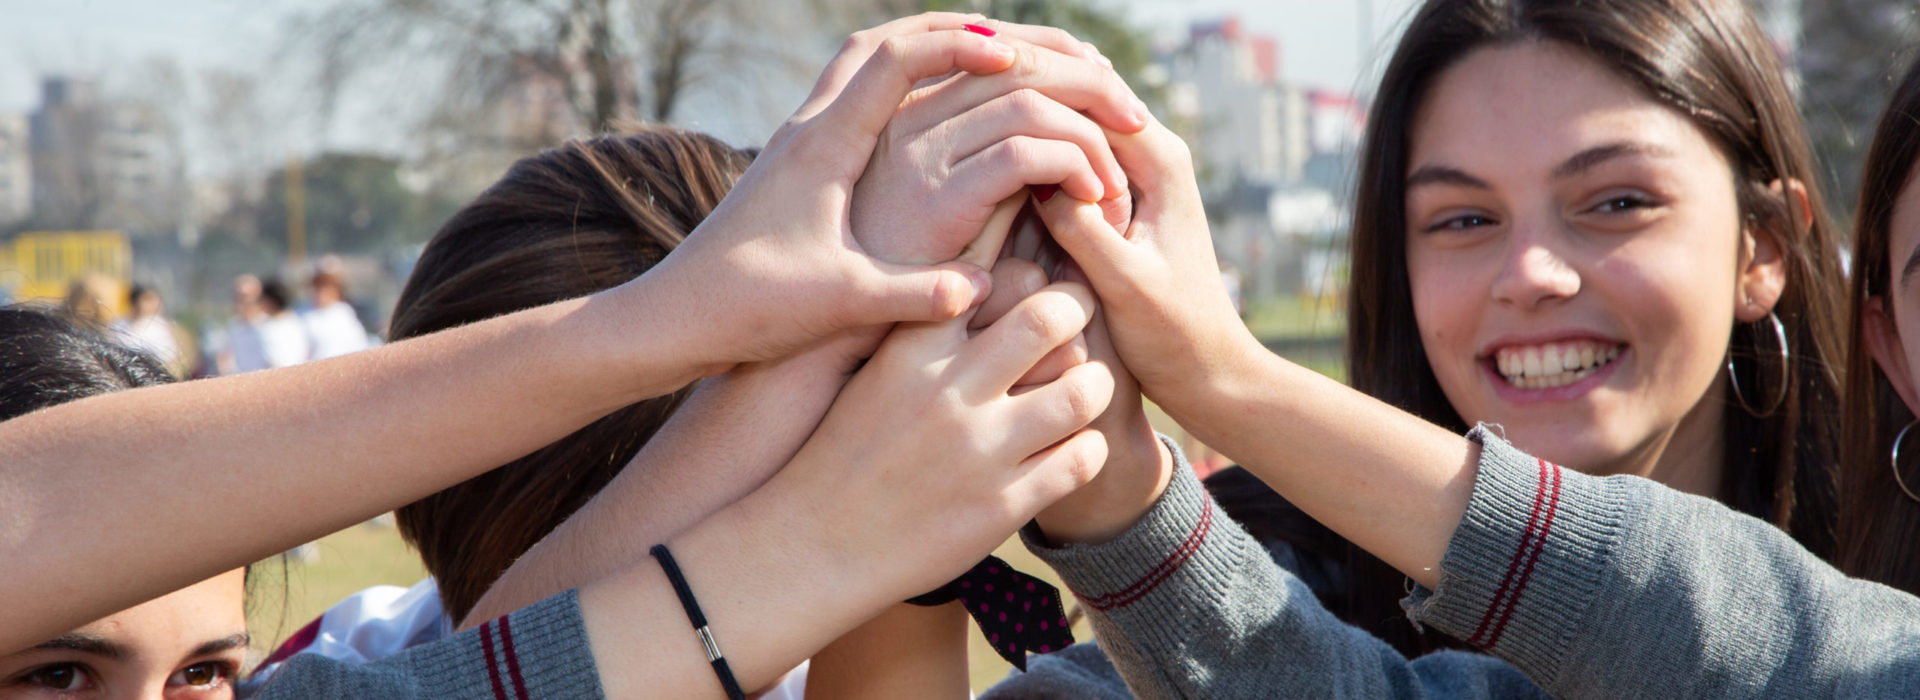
pixel 1593 587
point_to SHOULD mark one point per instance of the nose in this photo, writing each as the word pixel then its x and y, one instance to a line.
pixel 1534 272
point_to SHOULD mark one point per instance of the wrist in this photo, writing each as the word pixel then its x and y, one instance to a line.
pixel 1224 365
pixel 648 333
pixel 1129 484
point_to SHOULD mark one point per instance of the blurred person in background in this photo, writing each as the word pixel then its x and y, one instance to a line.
pixel 283 338
pixel 237 348
pixel 149 330
pixel 332 325
pixel 89 300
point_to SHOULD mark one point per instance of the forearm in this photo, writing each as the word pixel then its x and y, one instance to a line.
pixel 1188 605
pixel 1390 482
pixel 730 436
pixel 293 454
pixel 1631 589
pixel 774 586
pixel 908 651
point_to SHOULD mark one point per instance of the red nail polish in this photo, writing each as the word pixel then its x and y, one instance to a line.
pixel 977 29
pixel 1044 192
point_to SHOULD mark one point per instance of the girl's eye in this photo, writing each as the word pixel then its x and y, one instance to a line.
pixel 64 677
pixel 201 675
pixel 1622 203
pixel 1462 223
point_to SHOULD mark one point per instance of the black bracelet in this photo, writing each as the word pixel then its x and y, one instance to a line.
pixel 699 621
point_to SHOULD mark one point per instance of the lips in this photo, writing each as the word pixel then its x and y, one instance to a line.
pixel 1552 365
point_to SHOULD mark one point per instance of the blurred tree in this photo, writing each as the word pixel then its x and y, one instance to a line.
pixel 546 68
pixel 1102 24
pixel 1850 53
pixel 355 204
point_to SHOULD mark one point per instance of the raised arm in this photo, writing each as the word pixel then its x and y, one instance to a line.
pixel 299 452
pixel 738 429
pixel 1593 587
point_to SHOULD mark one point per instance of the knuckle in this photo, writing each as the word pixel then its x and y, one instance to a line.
pixel 1027 103
pixel 891 50
pixel 1043 321
pixel 857 41
pixel 1084 463
pixel 1081 401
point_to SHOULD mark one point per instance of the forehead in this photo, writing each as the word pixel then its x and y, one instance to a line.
pixel 171 626
pixel 1523 108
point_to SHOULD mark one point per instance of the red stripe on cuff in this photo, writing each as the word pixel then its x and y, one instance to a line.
pixel 1500 595
pixel 1166 568
pixel 1526 574
pixel 493 667
pixel 513 658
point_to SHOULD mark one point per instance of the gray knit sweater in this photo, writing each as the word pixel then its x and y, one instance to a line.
pixel 539 651
pixel 1593 587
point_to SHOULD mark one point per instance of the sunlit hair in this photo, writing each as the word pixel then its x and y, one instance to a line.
pixel 571 221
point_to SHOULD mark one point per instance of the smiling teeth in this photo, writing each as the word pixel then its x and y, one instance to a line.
pixel 1555 364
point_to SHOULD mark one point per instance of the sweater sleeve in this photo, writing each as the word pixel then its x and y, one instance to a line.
pixel 1620 587
pixel 539 651
pixel 1188 605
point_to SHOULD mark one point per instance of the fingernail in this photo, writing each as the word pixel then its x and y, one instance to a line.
pixel 1093 52
pixel 1141 112
pixel 982 285
pixel 1042 193
pixel 977 29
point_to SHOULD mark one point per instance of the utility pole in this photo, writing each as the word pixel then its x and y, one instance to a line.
pixel 296 211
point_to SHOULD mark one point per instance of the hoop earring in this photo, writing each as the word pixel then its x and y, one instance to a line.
pixel 1780 333
pixel 1895 461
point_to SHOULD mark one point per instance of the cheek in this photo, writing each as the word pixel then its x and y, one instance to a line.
pixel 1448 297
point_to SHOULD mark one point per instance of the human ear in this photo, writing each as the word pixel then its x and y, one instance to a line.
pixel 1882 339
pixel 1763 271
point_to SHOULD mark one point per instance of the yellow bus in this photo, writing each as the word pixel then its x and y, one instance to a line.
pixel 42 265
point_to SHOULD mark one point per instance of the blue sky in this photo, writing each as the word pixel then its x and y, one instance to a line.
pixel 1321 40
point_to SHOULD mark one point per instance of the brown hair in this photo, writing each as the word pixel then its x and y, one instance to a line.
pixel 1879 524
pixel 1706 59
pixel 568 222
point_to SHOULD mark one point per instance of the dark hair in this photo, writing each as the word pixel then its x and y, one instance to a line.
pixel 1706 59
pixel 568 222
pixel 274 292
pixel 47 359
pixel 1878 523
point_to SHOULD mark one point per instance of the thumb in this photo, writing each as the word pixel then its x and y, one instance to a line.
pixel 905 293
pixel 1101 252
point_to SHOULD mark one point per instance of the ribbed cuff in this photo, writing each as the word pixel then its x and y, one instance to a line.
pixel 1181 554
pixel 539 651
pixel 1522 569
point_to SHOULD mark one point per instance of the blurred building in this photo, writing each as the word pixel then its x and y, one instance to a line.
pixel 16 170
pixel 1274 159
pixel 101 163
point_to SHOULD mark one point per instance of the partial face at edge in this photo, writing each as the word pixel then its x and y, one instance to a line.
pixel 1574 250
pixel 1892 320
pixel 187 645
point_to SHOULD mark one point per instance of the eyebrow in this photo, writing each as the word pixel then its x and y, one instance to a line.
pixel 233 641
pixel 85 644
pixel 1444 175
pixel 1593 157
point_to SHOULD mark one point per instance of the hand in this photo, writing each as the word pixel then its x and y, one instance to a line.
pixel 1159 282
pixel 959 147
pixel 1138 465
pixel 926 461
pixel 775 267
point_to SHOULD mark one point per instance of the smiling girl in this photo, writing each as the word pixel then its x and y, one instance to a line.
pixel 1594 225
